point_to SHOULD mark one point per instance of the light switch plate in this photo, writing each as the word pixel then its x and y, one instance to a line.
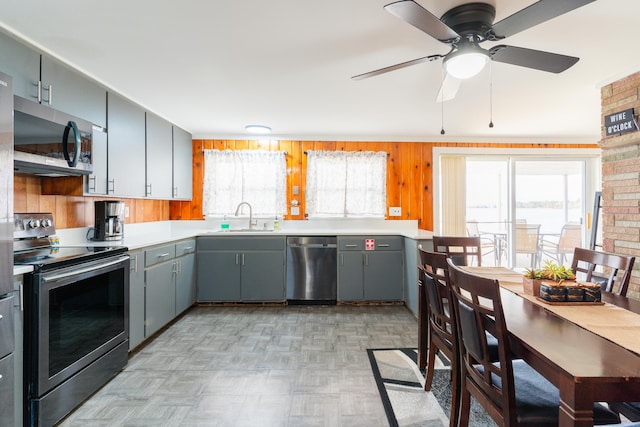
pixel 395 211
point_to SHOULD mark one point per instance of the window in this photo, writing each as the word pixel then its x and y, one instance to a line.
pixel 253 176
pixel 346 184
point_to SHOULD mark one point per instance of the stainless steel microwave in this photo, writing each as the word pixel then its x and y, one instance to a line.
pixel 49 142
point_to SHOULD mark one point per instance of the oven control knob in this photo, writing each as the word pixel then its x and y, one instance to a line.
pixel 34 223
pixel 45 223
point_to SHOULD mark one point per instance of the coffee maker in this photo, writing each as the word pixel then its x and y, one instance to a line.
pixel 109 223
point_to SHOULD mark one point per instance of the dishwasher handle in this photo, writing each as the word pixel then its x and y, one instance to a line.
pixel 313 245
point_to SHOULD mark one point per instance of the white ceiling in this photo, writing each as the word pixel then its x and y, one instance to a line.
pixel 213 66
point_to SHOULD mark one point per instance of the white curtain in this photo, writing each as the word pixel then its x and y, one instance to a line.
pixel 254 176
pixel 346 184
pixel 453 195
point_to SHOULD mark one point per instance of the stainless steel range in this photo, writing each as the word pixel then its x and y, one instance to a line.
pixel 76 310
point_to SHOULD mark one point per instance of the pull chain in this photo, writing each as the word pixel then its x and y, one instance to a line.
pixel 490 94
pixel 442 100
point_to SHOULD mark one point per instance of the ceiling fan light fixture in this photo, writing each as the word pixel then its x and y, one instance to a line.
pixel 258 129
pixel 466 63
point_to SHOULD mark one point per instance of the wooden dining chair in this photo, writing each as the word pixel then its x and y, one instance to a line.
pixel 612 271
pixel 510 391
pixel 442 332
pixel 462 250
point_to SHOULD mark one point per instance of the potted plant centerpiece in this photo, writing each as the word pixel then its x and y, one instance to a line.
pixel 550 272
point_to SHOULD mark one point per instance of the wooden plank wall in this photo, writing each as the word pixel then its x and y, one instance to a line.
pixel 409 171
pixel 77 211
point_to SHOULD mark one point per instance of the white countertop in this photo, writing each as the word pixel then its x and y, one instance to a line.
pixel 146 234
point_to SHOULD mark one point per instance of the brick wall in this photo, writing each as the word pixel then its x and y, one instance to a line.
pixel 621 178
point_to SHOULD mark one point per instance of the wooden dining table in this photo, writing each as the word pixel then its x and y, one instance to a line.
pixel 585 366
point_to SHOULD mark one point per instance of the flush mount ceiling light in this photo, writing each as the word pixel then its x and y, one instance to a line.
pixel 258 129
pixel 466 63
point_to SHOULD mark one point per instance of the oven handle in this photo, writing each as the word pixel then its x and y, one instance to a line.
pixel 83 270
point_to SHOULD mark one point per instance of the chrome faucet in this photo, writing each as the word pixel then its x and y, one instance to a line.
pixel 250 213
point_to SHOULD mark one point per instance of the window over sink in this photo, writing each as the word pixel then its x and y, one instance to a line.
pixel 254 176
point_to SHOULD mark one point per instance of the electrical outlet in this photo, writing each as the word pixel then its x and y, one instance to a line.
pixel 295 210
pixel 126 211
pixel 395 211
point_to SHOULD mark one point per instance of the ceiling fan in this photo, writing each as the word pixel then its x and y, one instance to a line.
pixel 466 26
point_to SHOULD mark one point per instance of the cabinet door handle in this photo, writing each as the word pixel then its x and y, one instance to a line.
pixel 39 94
pixel 163 255
pixel 49 89
pixel 341 259
pixel 350 246
pixel 384 245
pixel 187 249
pixel 175 191
pixel 236 259
pixel 366 259
pixel 112 182
pixel 242 259
pixel 148 189
pixel 92 179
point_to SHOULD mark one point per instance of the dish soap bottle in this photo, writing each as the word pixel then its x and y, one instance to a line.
pixel 276 224
pixel 224 226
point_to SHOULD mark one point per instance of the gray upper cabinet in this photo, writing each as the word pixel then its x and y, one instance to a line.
pixel 159 158
pixel 126 153
pixel 41 78
pixel 69 91
pixel 97 181
pixel 182 164
pixel 23 64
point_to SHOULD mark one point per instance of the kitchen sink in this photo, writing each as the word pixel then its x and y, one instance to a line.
pixel 243 230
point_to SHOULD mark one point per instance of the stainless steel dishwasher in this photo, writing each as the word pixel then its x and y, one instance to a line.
pixel 312 270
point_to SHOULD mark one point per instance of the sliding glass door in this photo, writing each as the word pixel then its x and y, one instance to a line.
pixel 522 205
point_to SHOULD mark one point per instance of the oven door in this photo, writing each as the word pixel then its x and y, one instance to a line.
pixel 80 313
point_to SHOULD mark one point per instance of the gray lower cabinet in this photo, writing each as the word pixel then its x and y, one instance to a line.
pixel 241 269
pixel 136 298
pixel 160 296
pixel 370 273
pixel 185 275
pixel 161 286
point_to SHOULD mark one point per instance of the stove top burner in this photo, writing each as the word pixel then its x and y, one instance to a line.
pixel 55 256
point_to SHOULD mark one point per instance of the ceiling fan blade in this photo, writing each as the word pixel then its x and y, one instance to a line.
pixel 448 88
pixel 535 14
pixel 422 19
pixel 530 58
pixel 397 67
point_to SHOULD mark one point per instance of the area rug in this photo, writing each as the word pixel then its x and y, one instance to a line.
pixel 401 387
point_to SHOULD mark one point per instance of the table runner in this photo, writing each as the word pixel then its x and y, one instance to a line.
pixel 609 321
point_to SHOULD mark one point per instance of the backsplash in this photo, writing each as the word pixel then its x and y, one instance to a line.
pixel 78 211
